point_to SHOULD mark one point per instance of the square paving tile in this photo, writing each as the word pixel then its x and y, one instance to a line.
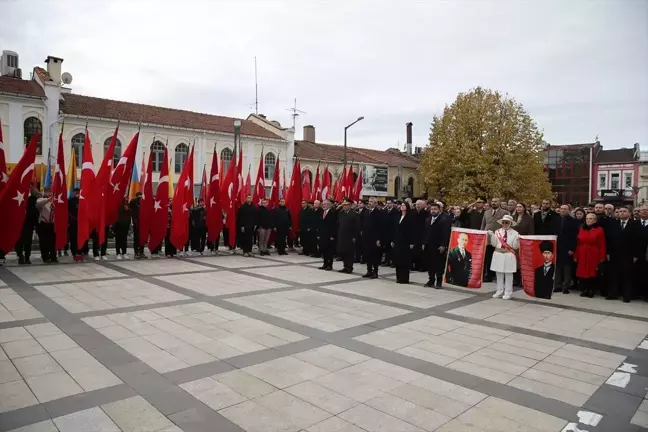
pixel 171 338
pixel 107 294
pixel 221 283
pixel 420 278
pixel 161 266
pixel 234 261
pixel 322 311
pixel 301 274
pixel 13 307
pixel 63 273
pixel 383 289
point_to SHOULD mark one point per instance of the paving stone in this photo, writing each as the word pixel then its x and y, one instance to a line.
pixel 334 424
pixel 245 384
pixel 44 426
pixel 89 420
pixel 427 399
pixel 22 348
pixel 45 329
pixel 490 421
pixel 300 413
pixel 284 372
pixel 373 420
pixel 40 364
pixel 15 394
pixel 549 391
pixel 53 386
pixel 321 397
pixel 409 412
pixel 8 372
pixel 536 419
pixel 213 394
pixel 56 342
pixel 135 414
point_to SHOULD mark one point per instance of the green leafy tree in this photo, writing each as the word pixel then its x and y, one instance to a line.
pixel 485 144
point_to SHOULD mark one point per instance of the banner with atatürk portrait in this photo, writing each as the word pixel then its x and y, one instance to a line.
pixel 465 259
pixel 538 264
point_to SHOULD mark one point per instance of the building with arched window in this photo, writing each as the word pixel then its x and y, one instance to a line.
pixel 42 103
pixel 117 152
pixel 269 166
pixel 77 146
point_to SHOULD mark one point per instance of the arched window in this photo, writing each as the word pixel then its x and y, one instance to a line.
pixel 355 177
pixel 117 153
pixel 410 187
pixel 309 174
pixel 226 157
pixel 77 146
pixel 397 187
pixel 31 126
pixel 157 150
pixel 269 165
pixel 181 153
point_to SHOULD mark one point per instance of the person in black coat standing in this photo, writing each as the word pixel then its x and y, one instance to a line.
pixel 420 216
pixel 24 245
pixel 361 210
pixel 436 239
pixel 642 265
pixel 347 234
pixel 327 230
pixel 373 232
pixel 546 221
pixel 198 229
pixel 566 246
pixel 393 215
pixel 625 250
pixel 305 228
pixel 245 222
pixel 73 227
pixel 282 225
pixel 402 242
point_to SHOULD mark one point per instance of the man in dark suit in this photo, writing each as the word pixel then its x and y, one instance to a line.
pixel 625 250
pixel 435 241
pixel 421 214
pixel 472 215
pixel 546 221
pixel 566 245
pixel 642 270
pixel 347 234
pixel 392 215
pixel 373 237
pixel 459 267
pixel 544 275
pixel 326 234
pixel 361 210
pixel 489 223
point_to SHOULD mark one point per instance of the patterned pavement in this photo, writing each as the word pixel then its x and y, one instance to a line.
pixel 270 344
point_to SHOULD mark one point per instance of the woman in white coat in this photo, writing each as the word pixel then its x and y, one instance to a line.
pixel 504 264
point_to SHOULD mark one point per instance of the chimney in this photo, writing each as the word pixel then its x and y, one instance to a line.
pixel 54 68
pixel 408 127
pixel 309 133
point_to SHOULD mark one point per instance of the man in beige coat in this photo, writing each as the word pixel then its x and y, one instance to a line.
pixel 490 223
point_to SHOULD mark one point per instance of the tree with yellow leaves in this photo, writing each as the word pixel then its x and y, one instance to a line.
pixel 485 144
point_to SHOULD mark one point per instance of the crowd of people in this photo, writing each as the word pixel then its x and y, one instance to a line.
pixel 600 248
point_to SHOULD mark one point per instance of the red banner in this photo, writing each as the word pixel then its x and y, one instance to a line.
pixel 465 260
pixel 538 264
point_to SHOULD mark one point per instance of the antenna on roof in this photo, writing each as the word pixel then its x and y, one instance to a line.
pixel 295 112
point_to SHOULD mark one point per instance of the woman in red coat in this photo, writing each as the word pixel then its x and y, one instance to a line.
pixel 590 253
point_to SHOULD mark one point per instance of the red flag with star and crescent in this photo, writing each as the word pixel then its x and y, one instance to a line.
pixel 13 197
pixel 295 196
pixel 214 212
pixel 146 204
pixel 119 181
pixel 182 197
pixel 229 199
pixel 60 195
pixel 98 197
pixel 274 191
pixel 259 183
pixel 3 162
pixel 326 184
pixel 160 213
pixel 317 186
pixel 84 224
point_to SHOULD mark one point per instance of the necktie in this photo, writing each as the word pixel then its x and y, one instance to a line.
pixel 463 253
pixel 505 236
pixel 623 225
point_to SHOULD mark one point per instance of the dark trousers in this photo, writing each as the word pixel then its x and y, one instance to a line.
pixel 96 247
pixel 327 248
pixel 402 273
pixel 642 277
pixel 589 285
pixel 488 257
pixel 418 258
pixel 73 236
pixel 280 241
pixel 347 259
pixel 563 276
pixel 359 250
pixel 139 250
pixel 306 240
pixel 245 239
pixel 436 263
pixel 372 255
pixel 226 239
pixel 121 236
pixel 24 245
pixel 388 254
pixel 46 241
pixel 621 278
pixel 198 238
pixel 169 249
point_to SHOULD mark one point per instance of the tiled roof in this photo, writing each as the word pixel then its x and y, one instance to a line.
pixel 42 74
pixel 86 106
pixel 623 155
pixel 335 153
pixel 19 86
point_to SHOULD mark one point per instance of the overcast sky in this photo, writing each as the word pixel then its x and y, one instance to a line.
pixel 579 67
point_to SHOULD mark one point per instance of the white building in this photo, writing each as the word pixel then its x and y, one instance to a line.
pixel 43 102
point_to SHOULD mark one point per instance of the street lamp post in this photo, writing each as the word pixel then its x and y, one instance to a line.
pixel 345 137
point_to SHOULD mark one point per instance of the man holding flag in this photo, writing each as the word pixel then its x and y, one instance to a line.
pixel 214 210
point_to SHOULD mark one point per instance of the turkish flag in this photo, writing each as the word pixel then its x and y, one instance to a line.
pixel 274 191
pixel 214 212
pixel 160 213
pixel 13 198
pixel 3 162
pixel 182 200
pixel 239 174
pixel 295 196
pixel 84 225
pixel 306 188
pixel 326 184
pixel 317 186
pixel 146 204
pixel 229 200
pixel 357 189
pixel 60 198
pixel 349 182
pixel 203 186
pixel 259 183
pixel 119 180
pixel 97 197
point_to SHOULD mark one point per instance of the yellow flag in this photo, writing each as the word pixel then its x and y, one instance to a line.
pixel 72 180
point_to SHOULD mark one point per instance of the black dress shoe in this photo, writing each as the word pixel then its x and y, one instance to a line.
pixel 343 271
pixel 557 290
pixel 626 300
pixel 323 267
pixel 21 260
pixel 27 260
pixel 438 285
pixel 373 276
pixel 611 297
pixel 329 268
pixel 429 284
pixel 366 275
pixel 565 291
